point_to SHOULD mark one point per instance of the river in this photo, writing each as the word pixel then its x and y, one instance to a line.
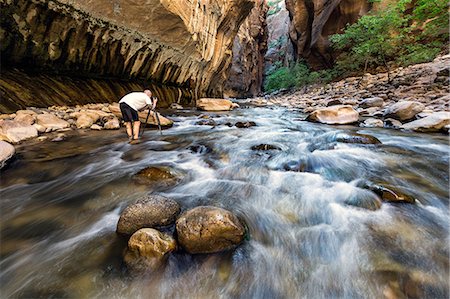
pixel 309 237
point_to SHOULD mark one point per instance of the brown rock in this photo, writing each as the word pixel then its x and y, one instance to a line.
pixel 391 195
pixel 357 138
pixel 207 229
pixel 372 123
pixel 155 175
pixel 208 104
pixel 265 147
pixel 149 211
pixel 404 110
pixel 25 118
pixel 6 152
pixel 96 127
pixel 15 132
pixel 432 123
pixel 392 123
pixel 245 124
pixel 147 249
pixel 340 114
pixel 372 102
pixel 112 124
pixel 51 122
pixel 84 121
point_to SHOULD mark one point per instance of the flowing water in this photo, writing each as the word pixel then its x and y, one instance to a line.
pixel 312 233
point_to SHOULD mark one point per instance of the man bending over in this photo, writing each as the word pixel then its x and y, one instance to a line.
pixel 130 105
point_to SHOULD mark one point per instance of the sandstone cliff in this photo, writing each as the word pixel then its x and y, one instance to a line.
pixel 313 21
pixel 182 46
pixel 245 74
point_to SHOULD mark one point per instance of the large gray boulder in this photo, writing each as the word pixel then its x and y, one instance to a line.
pixel 148 212
pixel 14 132
pixel 208 229
pixel 404 110
pixel 340 114
pixel 433 123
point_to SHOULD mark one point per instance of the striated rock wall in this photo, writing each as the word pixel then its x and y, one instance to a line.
pixel 181 44
pixel 245 74
pixel 313 21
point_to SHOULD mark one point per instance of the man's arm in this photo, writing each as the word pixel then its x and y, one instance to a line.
pixel 154 101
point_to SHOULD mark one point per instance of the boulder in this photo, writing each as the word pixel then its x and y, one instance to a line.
pixel 84 121
pixel 390 194
pixel 206 122
pixel 208 104
pixel 25 118
pixel 372 123
pixel 371 102
pixel 392 123
pixel 149 211
pixel 112 124
pixel 147 249
pixel 435 122
pixel 6 152
pixel 339 114
pixel 404 110
pixel 208 229
pixel 265 147
pixel 15 132
pixel 51 122
pixel 154 175
pixel 333 102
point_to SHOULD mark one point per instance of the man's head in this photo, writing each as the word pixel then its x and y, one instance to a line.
pixel 148 92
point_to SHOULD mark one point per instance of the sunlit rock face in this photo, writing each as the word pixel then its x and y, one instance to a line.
pixel 245 74
pixel 313 21
pixel 181 44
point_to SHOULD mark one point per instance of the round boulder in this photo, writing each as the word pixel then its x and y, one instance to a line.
pixel 208 229
pixel 147 249
pixel 149 211
pixel 404 110
pixel 357 138
pixel 339 114
pixel 155 175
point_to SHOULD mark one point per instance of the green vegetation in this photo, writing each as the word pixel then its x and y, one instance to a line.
pixel 298 75
pixel 404 33
pixel 274 7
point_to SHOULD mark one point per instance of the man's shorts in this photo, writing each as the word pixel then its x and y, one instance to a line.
pixel 128 113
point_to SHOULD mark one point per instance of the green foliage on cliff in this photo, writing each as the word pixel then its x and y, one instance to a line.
pixel 404 33
pixel 298 75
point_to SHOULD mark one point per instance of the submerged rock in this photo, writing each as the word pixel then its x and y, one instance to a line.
pixel 390 194
pixel 206 122
pixel 6 152
pixel 208 229
pixel 357 138
pixel 340 114
pixel 149 211
pixel 246 124
pixel 154 175
pixel 434 122
pixel 147 249
pixel 265 147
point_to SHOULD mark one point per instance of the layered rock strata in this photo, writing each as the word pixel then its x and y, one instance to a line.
pixel 313 21
pixel 185 45
pixel 245 74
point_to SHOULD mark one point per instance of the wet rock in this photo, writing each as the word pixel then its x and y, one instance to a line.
pixel 6 152
pixel 357 138
pixel 298 166
pixel 154 175
pixel 208 229
pixel 390 195
pixel 208 104
pixel 200 149
pixel 392 123
pixel 246 124
pixel 340 114
pixel 265 147
pixel 371 102
pixel 148 249
pixel 365 200
pixel 333 102
pixel 59 138
pixel 404 110
pixel 148 212
pixel 372 123
pixel 206 122
pixel 176 106
pixel 435 122
pixel 15 132
pixel 112 124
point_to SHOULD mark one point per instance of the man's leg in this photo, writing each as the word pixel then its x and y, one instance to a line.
pixel 129 130
pixel 136 127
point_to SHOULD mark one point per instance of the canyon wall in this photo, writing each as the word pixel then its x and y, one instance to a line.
pixel 313 21
pixel 245 74
pixel 183 47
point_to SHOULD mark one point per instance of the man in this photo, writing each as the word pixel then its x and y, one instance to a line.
pixel 130 105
